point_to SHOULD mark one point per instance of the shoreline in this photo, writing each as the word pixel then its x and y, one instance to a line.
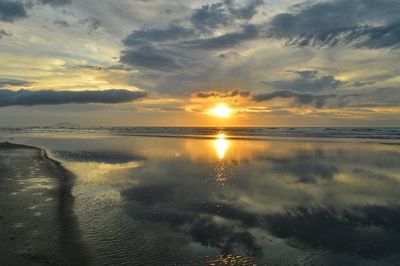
pixel 46 232
pixel 248 133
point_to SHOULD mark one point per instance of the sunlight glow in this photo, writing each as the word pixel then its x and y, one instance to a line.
pixel 221 136
pixel 221 145
pixel 221 111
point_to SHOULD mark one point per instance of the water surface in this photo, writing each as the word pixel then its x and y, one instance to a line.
pixel 190 201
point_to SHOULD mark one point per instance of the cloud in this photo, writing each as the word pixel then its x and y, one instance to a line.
pixel 381 97
pixel 363 83
pixel 209 17
pixel 387 36
pixel 61 23
pixel 11 11
pixel 91 23
pixel 179 57
pixel 117 67
pixel 150 57
pixel 14 82
pixel 55 3
pixel 185 53
pixel 4 33
pixel 389 96
pixel 51 97
pixel 228 40
pixel 300 99
pixel 151 49
pixel 155 49
pixel 232 93
pixel 244 12
pixel 172 33
pixel 307 81
pixel 363 23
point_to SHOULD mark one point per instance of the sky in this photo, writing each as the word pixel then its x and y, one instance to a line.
pixel 171 63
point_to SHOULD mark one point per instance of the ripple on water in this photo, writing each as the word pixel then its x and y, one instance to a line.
pixel 18 225
pixel 231 259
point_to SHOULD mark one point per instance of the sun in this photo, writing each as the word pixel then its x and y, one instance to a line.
pixel 221 111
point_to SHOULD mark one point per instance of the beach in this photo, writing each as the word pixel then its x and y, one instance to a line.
pixel 38 226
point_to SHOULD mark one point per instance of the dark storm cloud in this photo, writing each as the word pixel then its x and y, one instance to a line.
pixel 363 23
pixel 11 11
pixel 150 57
pixel 14 82
pixel 172 33
pixel 51 97
pixel 300 99
pixel 55 2
pixel 232 93
pixel 307 81
pixel 228 40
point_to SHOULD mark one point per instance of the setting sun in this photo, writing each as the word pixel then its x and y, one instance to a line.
pixel 221 111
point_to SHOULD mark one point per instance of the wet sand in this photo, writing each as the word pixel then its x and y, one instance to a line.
pixel 37 224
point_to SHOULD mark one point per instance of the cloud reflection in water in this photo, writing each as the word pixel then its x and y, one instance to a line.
pixel 290 201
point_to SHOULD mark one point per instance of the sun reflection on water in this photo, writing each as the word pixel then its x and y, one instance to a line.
pixel 221 145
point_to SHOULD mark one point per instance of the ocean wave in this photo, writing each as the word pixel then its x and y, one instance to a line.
pixel 240 132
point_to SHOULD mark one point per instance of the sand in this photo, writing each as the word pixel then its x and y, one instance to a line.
pixel 37 223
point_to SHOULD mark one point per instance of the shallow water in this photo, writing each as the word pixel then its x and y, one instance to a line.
pixel 187 201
